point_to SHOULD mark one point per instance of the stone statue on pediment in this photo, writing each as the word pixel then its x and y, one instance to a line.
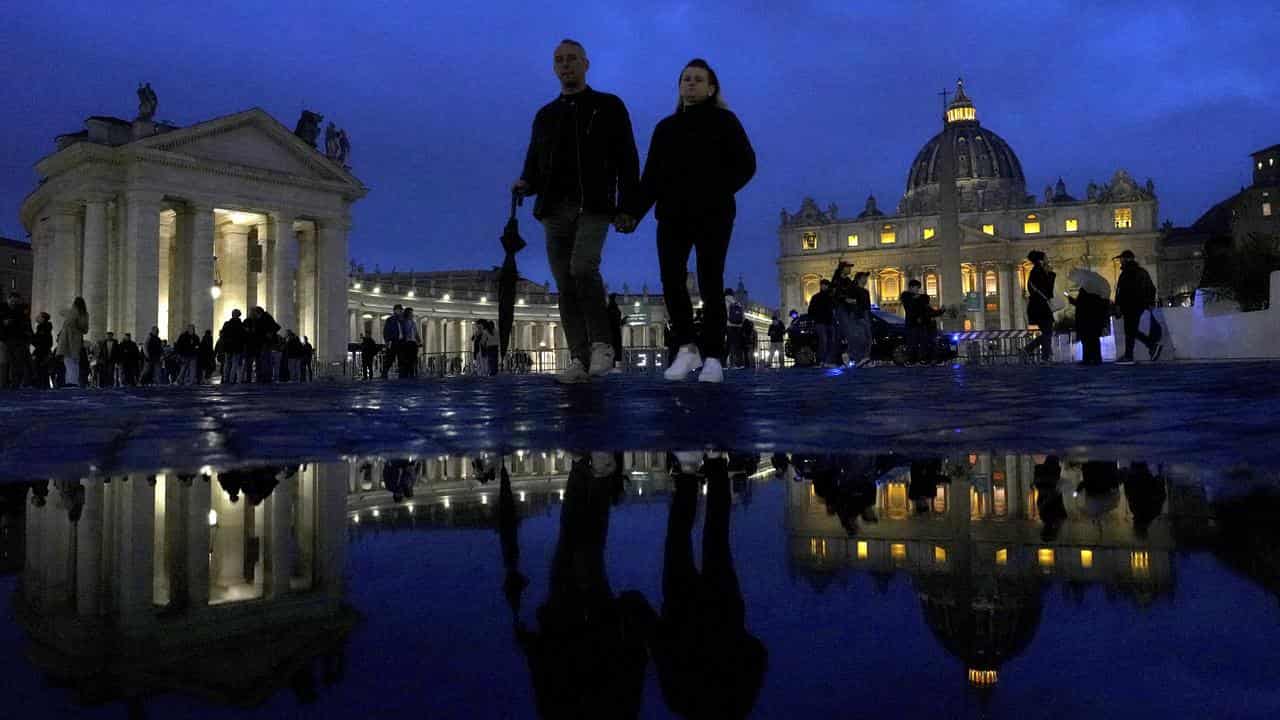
pixel 833 212
pixel 344 148
pixel 331 141
pixel 147 101
pixel 308 127
pixel 1092 192
pixel 1151 187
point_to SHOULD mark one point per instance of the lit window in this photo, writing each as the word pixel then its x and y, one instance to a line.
pixel 1072 225
pixel 992 283
pixel 898 552
pixel 1266 212
pixel 939 555
pixel 1086 559
pixel 1123 218
pixel 960 114
pixel 809 241
pixel 888 236
pixel 931 284
pixel 928 233
pixel 989 229
pixel 862 550
pixel 853 240
pixel 809 286
pixel 1002 556
pixel 1140 564
pixel 1045 557
pixel 890 286
pixel 1031 226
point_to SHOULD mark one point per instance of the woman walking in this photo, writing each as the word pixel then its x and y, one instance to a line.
pixel 1039 310
pixel 699 158
pixel 75 323
pixel 853 310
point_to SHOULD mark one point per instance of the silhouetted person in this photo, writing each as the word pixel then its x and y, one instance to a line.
pixel 1049 503
pixel 926 476
pixel 1145 494
pixel 709 665
pixel 514 582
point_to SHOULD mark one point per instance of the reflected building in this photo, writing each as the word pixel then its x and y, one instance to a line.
pixel 982 536
pixel 225 585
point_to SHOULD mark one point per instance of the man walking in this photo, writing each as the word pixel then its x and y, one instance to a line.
pixel 390 336
pixel 1136 294
pixel 583 165
pixel 777 340
pixel 130 360
pixel 407 345
pixel 232 339
pixel 821 314
pixel 108 359
pixel 736 316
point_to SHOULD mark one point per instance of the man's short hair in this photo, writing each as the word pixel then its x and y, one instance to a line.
pixel 824 282
pixel 575 43
pixel 913 283
pixel 398 307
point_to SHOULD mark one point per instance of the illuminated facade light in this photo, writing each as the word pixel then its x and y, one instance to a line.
pixel 446 502
pixel 852 240
pixel 445 297
pixel 928 233
pixel 1086 559
pixel 863 550
pixel 939 555
pixel 989 229
pixel 1140 563
pixel 215 292
pixel 962 114
pixel 888 235
pixel 410 294
pixel 483 298
pixel 356 286
pixel 1002 556
pixel 983 678
pixel 1045 557
pixel 377 290
pixel 898 552
pixel 1071 225
pixel 1031 226
pixel 377 513
pixel 213 518
pixel 1122 218
pixel 522 496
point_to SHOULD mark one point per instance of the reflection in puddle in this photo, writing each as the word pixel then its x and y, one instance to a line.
pixel 232 585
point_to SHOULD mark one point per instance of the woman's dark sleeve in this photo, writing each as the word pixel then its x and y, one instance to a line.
pixel 529 173
pixel 740 163
pixel 647 192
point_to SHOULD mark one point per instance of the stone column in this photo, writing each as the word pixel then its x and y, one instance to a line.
pixel 979 317
pixel 89 544
pixel 95 266
pixel 142 253
pixel 135 545
pixel 62 265
pixel 198 227
pixel 331 296
pixel 284 269
pixel 873 286
pixel 1019 304
pixel 1006 296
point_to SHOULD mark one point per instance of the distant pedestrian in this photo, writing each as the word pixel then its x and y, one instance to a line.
pixel 75 323
pixel 390 337
pixel 232 339
pixel 130 360
pixel 407 345
pixel 206 357
pixel 42 350
pixel 308 359
pixel 822 315
pixel 293 356
pixel 922 330
pixel 15 342
pixel 187 348
pixel 1040 283
pixel 777 340
pixel 855 319
pixel 1092 318
pixel 368 351
pixel 699 158
pixel 154 350
pixel 108 356
pixel 735 318
pixel 1136 295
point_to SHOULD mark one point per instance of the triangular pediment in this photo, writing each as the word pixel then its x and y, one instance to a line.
pixel 252 140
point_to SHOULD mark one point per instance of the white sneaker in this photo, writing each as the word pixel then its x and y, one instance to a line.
pixel 711 371
pixel 601 359
pixel 687 360
pixel 575 373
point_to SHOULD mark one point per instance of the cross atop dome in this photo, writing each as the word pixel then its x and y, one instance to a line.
pixel 961 108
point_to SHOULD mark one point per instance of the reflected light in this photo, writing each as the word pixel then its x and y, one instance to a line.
pixel 376 513
pixel 1086 559
pixel 446 503
pixel 862 550
pixel 521 496
pixel 213 518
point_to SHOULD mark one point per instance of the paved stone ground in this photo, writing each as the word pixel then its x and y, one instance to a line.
pixel 1208 414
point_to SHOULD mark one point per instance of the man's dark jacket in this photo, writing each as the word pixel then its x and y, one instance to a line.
pixel 232 336
pixel 1134 290
pixel 698 159
pixel 15 325
pixel 43 339
pixel 391 330
pixel 608 164
pixel 155 348
pixel 188 345
pixel 777 331
pixel 918 310
pixel 820 307
pixel 1040 289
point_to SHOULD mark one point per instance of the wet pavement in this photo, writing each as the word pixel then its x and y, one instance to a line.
pixel 560 584
pixel 1208 413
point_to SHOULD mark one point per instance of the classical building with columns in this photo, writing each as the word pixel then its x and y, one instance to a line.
pixel 447 304
pixel 999 224
pixel 159 225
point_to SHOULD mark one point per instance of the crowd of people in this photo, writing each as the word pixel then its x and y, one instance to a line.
pixel 249 350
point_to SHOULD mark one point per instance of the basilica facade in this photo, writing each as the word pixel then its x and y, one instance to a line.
pixel 159 225
pixel 999 224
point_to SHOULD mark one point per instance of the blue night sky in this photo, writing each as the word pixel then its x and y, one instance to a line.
pixel 438 97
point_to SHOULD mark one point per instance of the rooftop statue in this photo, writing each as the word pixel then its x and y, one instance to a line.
pixel 331 141
pixel 344 148
pixel 147 101
pixel 308 127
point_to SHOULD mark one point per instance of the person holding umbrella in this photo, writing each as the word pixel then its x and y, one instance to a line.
pixel 583 166
pixel 699 158
pixel 1093 312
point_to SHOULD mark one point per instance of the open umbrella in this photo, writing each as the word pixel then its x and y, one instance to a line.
pixel 512 243
pixel 1090 282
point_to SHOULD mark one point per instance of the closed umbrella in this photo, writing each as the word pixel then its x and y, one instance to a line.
pixel 512 243
pixel 1090 282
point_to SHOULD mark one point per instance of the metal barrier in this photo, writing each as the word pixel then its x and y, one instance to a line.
pixel 994 347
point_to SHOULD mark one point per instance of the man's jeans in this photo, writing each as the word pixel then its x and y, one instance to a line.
pixel 574 245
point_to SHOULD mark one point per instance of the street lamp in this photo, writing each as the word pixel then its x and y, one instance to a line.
pixel 215 291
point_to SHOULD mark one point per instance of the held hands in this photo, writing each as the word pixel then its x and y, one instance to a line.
pixel 624 223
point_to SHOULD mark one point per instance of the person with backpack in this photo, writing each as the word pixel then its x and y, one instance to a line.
pixel 1135 295
pixel 821 314
pixel 736 316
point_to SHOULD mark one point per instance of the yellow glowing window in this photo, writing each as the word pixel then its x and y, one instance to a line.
pixel 992 282
pixel 1140 563
pixel 931 284
pixel 1072 225
pixel 809 241
pixel 939 554
pixel 818 547
pixel 940 499
pixel 1086 559
pixel 1266 209
pixel 1002 556
pixel 989 229
pixel 897 500
pixel 1031 226
pixel 1045 557
pixel 862 550
pixel 928 233
pixel 983 678
pixel 888 235
pixel 890 286
pixel 1123 218
pixel 960 114
pixel 898 552
pixel 853 240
